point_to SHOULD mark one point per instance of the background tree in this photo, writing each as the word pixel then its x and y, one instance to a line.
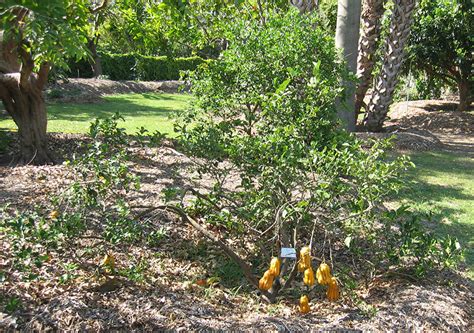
pixel 36 35
pixel 96 20
pixel 441 44
pixel 394 55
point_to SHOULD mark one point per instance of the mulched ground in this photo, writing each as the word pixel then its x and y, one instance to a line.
pixel 92 90
pixel 169 294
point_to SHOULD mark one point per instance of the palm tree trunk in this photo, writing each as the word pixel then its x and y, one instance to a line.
pixel 372 11
pixel 394 55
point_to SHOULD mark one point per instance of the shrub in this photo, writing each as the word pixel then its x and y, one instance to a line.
pixel 137 67
pixel 93 204
pixel 164 68
pixel 264 113
pixel 119 66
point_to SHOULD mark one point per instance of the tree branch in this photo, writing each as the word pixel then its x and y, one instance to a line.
pixel 43 75
pixel 247 270
pixel 100 7
pixel 27 66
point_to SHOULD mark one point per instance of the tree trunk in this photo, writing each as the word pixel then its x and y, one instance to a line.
pixel 305 6
pixel 21 92
pixel 96 63
pixel 394 55
pixel 28 110
pixel 347 37
pixel 372 11
pixel 464 95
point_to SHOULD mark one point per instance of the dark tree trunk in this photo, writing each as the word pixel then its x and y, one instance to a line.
pixel 464 95
pixel 21 92
pixel 96 63
pixel 28 110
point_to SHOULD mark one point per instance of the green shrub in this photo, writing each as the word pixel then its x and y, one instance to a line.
pixel 94 203
pixel 163 68
pixel 137 67
pixel 119 66
pixel 81 68
pixel 264 114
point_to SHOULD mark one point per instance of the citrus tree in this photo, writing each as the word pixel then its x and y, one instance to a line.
pixel 441 44
pixel 35 36
pixel 264 133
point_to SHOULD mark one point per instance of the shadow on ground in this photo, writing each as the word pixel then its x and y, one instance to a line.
pixel 441 185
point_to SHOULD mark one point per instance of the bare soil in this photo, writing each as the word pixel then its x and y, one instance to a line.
pixel 170 296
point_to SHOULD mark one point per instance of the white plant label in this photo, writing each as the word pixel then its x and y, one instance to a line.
pixel 288 252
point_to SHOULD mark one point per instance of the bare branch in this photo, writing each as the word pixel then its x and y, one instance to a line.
pixel 100 7
pixel 247 270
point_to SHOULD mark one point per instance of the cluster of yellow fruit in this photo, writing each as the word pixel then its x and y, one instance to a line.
pixel 54 215
pixel 108 261
pixel 266 281
pixel 323 275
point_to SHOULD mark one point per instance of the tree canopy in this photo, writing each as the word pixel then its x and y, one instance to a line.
pixel 441 43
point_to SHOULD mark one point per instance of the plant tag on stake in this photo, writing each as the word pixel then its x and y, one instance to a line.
pixel 288 252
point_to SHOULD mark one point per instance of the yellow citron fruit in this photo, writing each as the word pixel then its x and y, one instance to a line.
pixel 323 274
pixel 275 266
pixel 266 281
pixel 108 261
pixel 305 259
pixel 308 278
pixel 333 290
pixel 54 215
pixel 304 304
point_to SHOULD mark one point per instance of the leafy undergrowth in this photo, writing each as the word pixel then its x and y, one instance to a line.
pixel 164 274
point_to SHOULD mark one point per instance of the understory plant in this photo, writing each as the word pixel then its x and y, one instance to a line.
pixel 93 205
pixel 264 116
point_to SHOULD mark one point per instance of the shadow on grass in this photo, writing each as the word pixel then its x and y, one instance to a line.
pixel 442 185
pixel 139 105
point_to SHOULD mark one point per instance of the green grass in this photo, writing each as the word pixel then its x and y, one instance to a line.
pixel 443 184
pixel 150 110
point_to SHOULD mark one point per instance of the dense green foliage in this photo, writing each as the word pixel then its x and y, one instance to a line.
pixel 271 118
pixel 52 30
pixel 148 68
pixel 136 67
pixel 175 27
pixel 440 51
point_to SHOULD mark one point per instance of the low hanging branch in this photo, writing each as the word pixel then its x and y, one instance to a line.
pixel 269 296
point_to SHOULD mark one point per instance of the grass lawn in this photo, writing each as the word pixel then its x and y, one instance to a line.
pixel 443 184
pixel 150 110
